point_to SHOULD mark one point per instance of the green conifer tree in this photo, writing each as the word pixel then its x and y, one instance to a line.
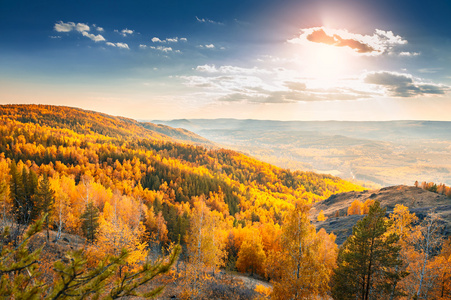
pixel 45 197
pixel 19 273
pixel 90 223
pixel 367 260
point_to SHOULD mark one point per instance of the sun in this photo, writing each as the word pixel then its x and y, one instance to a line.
pixel 326 64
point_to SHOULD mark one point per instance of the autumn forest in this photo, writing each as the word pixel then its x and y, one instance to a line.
pixel 95 206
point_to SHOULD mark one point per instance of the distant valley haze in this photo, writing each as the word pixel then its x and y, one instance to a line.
pixel 385 153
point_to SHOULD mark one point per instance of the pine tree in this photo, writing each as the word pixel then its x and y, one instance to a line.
pixel 45 197
pixel 367 260
pixel 90 223
pixel 75 280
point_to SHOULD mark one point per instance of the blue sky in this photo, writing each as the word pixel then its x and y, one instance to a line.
pixel 268 59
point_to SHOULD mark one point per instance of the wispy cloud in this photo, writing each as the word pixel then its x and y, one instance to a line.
pixel 69 26
pixel 118 45
pixel 259 85
pixel 163 49
pixel 205 20
pixel 84 29
pixel 95 38
pixel 168 40
pixel 124 32
pixel 98 28
pixel 380 42
pixel 208 46
pixel 404 85
pixel 212 69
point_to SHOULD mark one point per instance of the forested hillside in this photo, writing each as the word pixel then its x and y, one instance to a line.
pixel 120 184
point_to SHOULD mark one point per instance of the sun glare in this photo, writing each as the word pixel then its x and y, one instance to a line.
pixel 326 64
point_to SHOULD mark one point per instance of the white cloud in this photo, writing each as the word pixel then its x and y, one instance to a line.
pixel 204 20
pixel 122 45
pixel 162 49
pixel 80 27
pixel 95 38
pixel 210 46
pixel 409 53
pixel 212 69
pixel 64 27
pixel 142 46
pixel 380 42
pixel 55 37
pixel 126 31
pixel 157 40
pixel 100 29
pixel 118 45
pixel 168 40
pixel 278 85
pixel 69 26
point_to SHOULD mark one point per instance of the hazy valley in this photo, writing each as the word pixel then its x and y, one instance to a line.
pixel 385 153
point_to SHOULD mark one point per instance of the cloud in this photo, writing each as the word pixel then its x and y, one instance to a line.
pixel 80 27
pixel 70 26
pixel 204 20
pixel 141 46
pixel 212 69
pixel 124 32
pixel 95 38
pixel 118 45
pixel 64 27
pixel 162 49
pixel 379 43
pixel 404 85
pixel 209 46
pixel 430 70
pixel 296 86
pixel 409 53
pixel 168 40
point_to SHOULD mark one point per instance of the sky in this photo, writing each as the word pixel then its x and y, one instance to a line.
pixel 245 59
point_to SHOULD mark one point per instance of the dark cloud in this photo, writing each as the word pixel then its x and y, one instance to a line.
pixel 403 85
pixel 320 36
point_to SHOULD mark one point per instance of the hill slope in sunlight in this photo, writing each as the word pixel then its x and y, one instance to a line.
pixel 147 162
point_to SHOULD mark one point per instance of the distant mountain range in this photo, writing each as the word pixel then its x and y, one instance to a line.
pixel 385 153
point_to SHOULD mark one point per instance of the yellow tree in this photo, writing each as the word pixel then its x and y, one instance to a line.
pixel 402 224
pixel 321 216
pixel 205 242
pixel 424 271
pixel 116 233
pixel 251 256
pixel 5 204
pixel 307 263
pixel 355 208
